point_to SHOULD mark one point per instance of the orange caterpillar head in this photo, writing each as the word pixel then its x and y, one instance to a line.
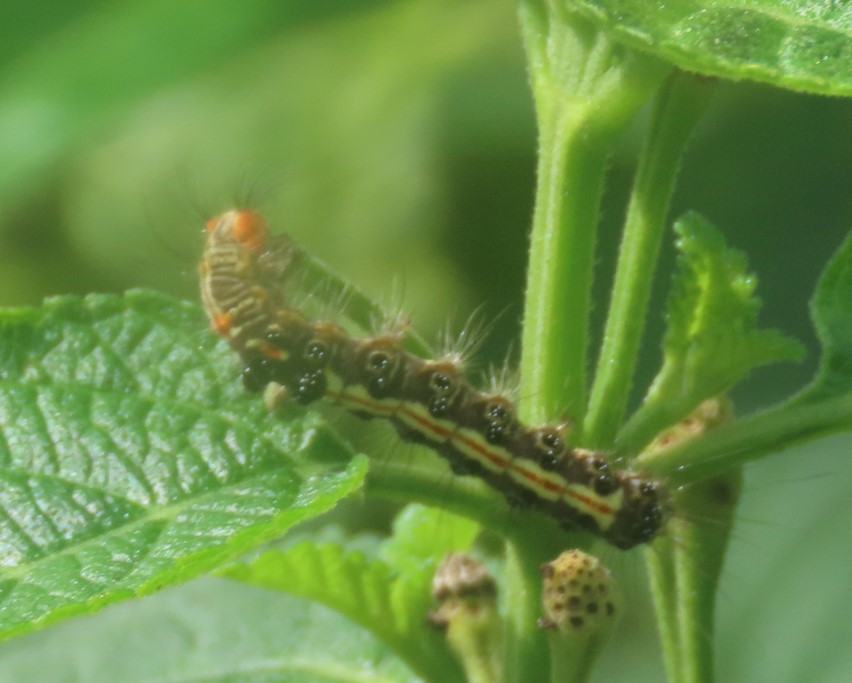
pixel 243 226
pixel 234 301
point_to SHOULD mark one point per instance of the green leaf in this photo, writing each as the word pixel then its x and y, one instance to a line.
pixel 131 458
pixel 205 631
pixel 798 44
pixel 821 408
pixel 712 340
pixel 389 596
pixel 831 310
pixel 423 533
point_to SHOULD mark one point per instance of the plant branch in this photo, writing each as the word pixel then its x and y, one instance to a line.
pixel 684 569
pixel 677 108
pixel 586 88
pixel 749 438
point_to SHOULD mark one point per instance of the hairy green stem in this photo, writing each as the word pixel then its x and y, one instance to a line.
pixel 684 570
pixel 750 438
pixel 661 578
pixel 526 650
pixel 574 661
pixel 677 108
pixel 553 361
pixel 585 88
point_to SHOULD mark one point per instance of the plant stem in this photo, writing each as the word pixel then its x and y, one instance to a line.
pixel 585 89
pixel 677 108
pixel 750 438
pixel 684 570
pixel 661 577
pixel 571 171
pixel 526 657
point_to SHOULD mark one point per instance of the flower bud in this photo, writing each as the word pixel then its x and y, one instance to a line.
pixel 467 613
pixel 581 602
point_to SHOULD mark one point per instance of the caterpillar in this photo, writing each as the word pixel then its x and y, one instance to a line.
pixel 428 401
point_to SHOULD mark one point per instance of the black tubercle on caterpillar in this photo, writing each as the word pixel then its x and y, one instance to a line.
pixel 428 401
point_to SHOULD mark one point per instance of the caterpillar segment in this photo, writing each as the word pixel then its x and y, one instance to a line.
pixel 431 402
pixel 428 401
pixel 240 276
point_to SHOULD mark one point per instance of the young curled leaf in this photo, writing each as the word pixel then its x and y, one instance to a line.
pixel 712 339
pixel 831 310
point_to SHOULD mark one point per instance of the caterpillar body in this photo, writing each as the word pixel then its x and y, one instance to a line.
pixel 428 401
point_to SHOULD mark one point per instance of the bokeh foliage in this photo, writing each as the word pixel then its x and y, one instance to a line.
pixel 394 138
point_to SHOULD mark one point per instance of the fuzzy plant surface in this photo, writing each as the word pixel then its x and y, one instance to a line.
pixel 132 459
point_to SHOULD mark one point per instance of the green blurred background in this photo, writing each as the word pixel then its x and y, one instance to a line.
pixel 395 139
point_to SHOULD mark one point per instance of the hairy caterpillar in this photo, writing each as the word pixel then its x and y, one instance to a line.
pixel 428 401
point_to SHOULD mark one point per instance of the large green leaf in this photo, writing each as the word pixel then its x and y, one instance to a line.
pixel 205 631
pixel 798 44
pixel 131 458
